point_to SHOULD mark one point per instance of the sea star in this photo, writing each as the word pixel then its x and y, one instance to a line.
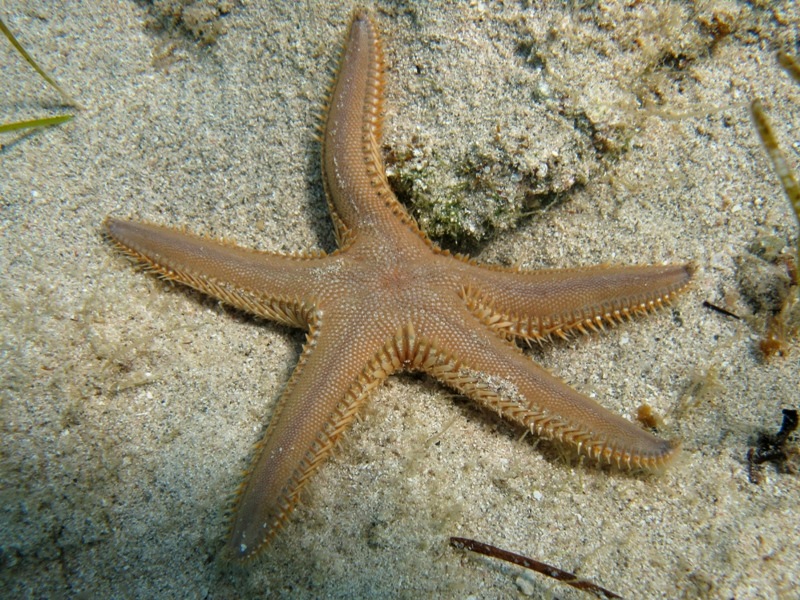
pixel 389 300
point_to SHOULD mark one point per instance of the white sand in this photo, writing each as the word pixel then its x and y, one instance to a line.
pixel 129 407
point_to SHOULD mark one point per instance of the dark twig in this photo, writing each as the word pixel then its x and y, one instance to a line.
pixel 720 310
pixel 533 565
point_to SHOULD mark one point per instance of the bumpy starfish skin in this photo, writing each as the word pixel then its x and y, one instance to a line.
pixel 389 300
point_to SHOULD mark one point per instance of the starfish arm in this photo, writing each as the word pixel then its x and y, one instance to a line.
pixel 496 373
pixel 536 304
pixel 272 286
pixel 320 401
pixel 358 193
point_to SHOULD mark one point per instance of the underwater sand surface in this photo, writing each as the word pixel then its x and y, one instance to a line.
pixel 129 407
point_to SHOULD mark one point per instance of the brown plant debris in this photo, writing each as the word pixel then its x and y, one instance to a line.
pixel 533 565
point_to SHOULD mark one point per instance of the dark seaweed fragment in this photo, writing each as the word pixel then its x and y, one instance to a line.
pixel 777 448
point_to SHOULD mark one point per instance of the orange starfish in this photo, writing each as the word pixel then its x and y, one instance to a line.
pixel 390 300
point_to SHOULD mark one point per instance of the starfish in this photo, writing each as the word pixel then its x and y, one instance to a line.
pixel 389 300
